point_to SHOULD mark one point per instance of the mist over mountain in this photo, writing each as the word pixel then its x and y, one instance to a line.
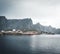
pixel 40 27
pixel 24 24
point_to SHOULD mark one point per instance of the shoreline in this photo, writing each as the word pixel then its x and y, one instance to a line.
pixel 24 33
pixel 18 33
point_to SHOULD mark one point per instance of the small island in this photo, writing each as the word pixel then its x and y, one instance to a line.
pixel 20 32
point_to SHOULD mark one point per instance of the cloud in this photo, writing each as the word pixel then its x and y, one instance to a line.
pixel 4 6
pixel 43 11
pixel 7 4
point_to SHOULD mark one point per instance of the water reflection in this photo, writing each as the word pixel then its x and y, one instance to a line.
pixel 36 44
pixel 44 43
pixel 16 44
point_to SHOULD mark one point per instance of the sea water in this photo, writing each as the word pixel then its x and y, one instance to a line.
pixel 30 44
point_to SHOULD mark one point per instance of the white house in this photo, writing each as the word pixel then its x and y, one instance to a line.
pixel 14 30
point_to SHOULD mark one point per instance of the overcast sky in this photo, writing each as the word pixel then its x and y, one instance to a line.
pixel 46 12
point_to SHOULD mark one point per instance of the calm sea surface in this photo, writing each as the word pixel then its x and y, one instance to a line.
pixel 30 44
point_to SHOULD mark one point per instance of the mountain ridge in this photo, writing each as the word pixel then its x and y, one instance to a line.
pixel 25 24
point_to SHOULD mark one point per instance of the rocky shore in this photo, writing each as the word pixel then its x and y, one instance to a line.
pixel 19 33
pixel 22 33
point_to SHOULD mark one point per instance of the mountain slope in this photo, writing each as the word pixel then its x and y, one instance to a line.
pixel 24 24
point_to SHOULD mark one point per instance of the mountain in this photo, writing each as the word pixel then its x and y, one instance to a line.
pixel 40 27
pixel 24 24
pixel 19 23
pixel 57 31
pixel 3 22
